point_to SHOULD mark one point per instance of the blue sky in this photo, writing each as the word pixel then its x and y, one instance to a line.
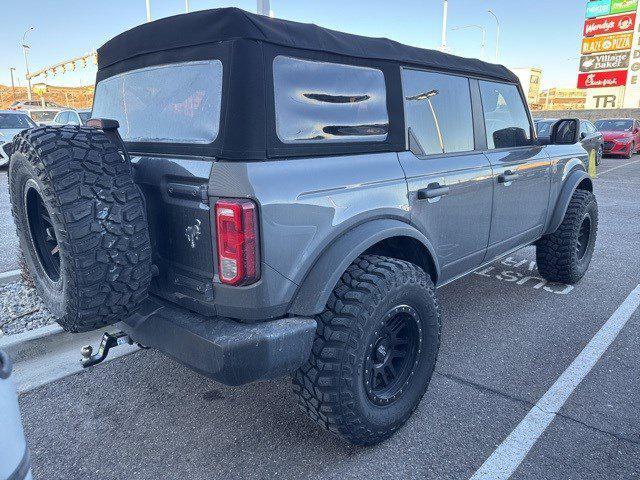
pixel 542 33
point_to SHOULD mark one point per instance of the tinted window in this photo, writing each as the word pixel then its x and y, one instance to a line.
pixel 328 102
pixel 177 103
pixel 584 128
pixel 15 121
pixel 438 112
pixel 45 116
pixel 505 116
pixel 62 117
pixel 84 116
pixel 614 125
pixel 543 127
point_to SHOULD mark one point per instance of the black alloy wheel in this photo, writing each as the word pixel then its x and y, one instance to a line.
pixel 392 356
pixel 42 233
pixel 584 235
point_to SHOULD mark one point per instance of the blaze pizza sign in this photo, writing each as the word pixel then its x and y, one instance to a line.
pixel 607 25
pixel 607 43
pixel 616 78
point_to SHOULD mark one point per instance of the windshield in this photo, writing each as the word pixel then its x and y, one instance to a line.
pixel 84 116
pixel 614 125
pixel 176 103
pixel 42 115
pixel 544 128
pixel 15 121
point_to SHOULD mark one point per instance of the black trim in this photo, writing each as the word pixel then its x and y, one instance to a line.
pixel 22 470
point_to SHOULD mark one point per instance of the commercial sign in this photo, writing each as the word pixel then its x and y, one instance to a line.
pixel 602 98
pixel 602 26
pixel 607 43
pixel 622 6
pixel 598 8
pixel 616 78
pixel 604 61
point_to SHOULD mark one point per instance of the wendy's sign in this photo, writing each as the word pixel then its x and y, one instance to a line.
pixel 615 24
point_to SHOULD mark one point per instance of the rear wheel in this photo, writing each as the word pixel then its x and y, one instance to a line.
pixel 374 352
pixel 564 256
pixel 632 150
pixel 81 223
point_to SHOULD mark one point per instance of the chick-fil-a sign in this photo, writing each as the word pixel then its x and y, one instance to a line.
pixel 616 78
pixel 615 24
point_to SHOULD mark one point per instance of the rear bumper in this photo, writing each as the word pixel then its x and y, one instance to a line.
pixel 230 352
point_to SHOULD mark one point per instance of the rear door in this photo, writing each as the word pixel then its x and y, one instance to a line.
pixel 521 169
pixel 449 181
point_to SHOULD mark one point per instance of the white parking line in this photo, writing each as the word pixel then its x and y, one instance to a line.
pixel 615 168
pixel 512 451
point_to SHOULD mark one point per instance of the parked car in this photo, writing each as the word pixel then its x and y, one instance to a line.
pixel 42 116
pixel 27 104
pixel 72 117
pixel 592 140
pixel 294 215
pixel 621 136
pixel 11 123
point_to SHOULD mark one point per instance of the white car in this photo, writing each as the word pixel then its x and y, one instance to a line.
pixel 11 123
pixel 72 117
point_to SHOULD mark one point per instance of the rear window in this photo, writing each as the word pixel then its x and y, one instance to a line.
pixel 43 115
pixel 176 103
pixel 321 102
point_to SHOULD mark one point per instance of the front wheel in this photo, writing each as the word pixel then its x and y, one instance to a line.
pixel 599 155
pixel 564 255
pixel 375 350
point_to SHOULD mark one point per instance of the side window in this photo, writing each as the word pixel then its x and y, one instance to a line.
pixel 62 118
pixel 73 118
pixel 321 102
pixel 584 128
pixel 438 112
pixel 505 116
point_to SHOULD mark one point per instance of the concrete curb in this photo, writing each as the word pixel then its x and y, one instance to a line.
pixel 48 353
pixel 8 277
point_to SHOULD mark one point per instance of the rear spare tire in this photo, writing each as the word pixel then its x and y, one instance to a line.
pixel 81 223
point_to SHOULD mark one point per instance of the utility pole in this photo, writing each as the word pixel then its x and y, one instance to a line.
pixel 445 9
pixel 25 48
pixel 263 7
pixel 497 32
pixel 148 10
pixel 13 86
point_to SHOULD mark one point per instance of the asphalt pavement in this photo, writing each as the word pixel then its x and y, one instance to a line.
pixel 8 238
pixel 508 336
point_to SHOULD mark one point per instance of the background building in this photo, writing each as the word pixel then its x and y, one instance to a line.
pixel 530 78
pixel 561 99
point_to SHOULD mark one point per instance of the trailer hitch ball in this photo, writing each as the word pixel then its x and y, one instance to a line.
pixel 108 342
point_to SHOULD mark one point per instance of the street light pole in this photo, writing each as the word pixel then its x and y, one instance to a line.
pixel 445 8
pixel 148 10
pixel 484 36
pixel 497 33
pixel 13 86
pixel 263 7
pixel 25 48
pixel 186 2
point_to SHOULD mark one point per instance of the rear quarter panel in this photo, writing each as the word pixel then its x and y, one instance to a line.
pixel 305 204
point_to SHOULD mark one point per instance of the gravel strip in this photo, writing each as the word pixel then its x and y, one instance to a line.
pixel 21 309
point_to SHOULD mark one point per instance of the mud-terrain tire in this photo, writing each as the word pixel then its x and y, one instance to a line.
pixel 82 225
pixel 564 255
pixel 335 386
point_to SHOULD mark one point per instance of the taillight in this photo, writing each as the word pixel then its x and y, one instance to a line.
pixel 238 243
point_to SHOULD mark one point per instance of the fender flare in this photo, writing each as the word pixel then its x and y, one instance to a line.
pixel 574 179
pixel 313 293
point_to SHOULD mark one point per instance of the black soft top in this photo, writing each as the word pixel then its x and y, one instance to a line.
pixel 224 24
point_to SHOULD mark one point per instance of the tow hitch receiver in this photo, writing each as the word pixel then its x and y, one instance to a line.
pixel 108 342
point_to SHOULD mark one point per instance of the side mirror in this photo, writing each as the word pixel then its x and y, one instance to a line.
pixel 565 132
pixel 583 135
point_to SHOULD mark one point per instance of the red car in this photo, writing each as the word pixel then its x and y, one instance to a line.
pixel 621 136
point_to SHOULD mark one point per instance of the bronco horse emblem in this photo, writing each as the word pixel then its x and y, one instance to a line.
pixel 192 232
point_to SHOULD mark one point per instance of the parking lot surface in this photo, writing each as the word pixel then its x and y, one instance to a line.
pixel 508 335
pixel 8 239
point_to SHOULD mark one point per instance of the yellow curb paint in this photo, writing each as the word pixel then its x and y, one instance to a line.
pixel 593 170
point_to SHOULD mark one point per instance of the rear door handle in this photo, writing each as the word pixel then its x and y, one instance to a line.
pixel 508 177
pixel 434 190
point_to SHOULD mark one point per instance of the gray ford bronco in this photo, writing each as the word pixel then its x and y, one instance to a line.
pixel 258 198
